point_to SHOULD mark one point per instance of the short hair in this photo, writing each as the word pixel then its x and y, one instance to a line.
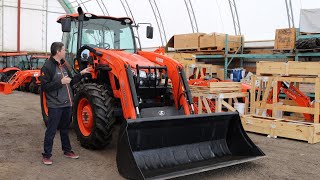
pixel 55 47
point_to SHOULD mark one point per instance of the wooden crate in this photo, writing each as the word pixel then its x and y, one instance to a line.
pixel 288 68
pixel 183 58
pixel 229 91
pixel 187 41
pixel 209 69
pixel 217 41
pixel 262 86
pixel 285 39
pixel 224 94
pixel 278 127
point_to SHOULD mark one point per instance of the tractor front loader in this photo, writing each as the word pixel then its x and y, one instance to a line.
pixel 160 136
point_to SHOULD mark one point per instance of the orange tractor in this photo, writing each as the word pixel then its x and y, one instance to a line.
pixel 36 63
pixel 25 80
pixel 10 63
pixel 160 136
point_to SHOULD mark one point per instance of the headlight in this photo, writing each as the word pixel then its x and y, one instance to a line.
pixel 142 74
pixel 153 75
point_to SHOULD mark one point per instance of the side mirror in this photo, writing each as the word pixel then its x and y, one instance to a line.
pixel 66 24
pixel 149 32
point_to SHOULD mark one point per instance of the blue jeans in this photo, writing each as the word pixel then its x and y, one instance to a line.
pixel 58 118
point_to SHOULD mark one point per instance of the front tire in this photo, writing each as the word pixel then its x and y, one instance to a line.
pixel 93 115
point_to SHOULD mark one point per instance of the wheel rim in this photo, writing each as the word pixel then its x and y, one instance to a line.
pixel 85 117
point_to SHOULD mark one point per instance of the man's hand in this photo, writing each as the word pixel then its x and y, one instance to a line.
pixel 86 70
pixel 65 80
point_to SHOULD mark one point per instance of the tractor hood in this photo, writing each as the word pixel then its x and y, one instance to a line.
pixel 131 58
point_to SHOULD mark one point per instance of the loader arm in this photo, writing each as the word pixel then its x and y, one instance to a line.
pixel 176 73
pixel 118 72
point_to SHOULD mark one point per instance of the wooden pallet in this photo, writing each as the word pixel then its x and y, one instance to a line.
pixel 186 50
pixel 309 50
pixel 282 51
pixel 279 127
pixel 289 68
pixel 305 33
pixel 217 49
pixel 209 50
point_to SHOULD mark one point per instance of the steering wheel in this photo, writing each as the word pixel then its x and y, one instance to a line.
pixel 104 45
pixel 91 45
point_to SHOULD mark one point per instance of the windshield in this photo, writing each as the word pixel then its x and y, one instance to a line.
pixel 20 62
pixel 37 63
pixel 2 62
pixel 108 34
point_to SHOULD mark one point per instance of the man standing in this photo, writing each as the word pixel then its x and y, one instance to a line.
pixel 55 82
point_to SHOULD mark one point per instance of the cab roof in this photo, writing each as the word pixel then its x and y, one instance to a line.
pixel 13 53
pixel 39 57
pixel 93 16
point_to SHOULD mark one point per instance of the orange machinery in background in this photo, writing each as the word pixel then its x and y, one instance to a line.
pixel 18 79
pixel 11 62
pixel 25 80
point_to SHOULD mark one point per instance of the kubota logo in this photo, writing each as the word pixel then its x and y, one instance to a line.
pixel 161 113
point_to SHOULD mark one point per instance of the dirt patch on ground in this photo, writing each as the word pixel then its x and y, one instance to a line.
pixel 21 140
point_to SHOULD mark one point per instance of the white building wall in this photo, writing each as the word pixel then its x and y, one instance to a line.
pixel 1 25
pixel 38 26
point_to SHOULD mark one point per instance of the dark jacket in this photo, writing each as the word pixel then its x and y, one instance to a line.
pixel 57 94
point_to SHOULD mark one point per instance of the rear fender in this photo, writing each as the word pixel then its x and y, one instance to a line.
pixel 11 69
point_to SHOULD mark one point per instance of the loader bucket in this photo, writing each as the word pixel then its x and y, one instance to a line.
pixel 168 147
pixel 5 88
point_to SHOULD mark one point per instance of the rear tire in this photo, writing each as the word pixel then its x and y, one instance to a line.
pixel 27 87
pixel 31 87
pixel 93 115
pixel 23 88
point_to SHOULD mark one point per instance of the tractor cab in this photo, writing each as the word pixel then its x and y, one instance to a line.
pixel 37 61
pixel 10 63
pixel 103 32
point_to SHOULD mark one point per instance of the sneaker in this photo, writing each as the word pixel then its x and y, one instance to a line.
pixel 71 155
pixel 47 161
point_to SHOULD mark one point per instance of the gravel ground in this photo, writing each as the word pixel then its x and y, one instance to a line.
pixel 22 133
